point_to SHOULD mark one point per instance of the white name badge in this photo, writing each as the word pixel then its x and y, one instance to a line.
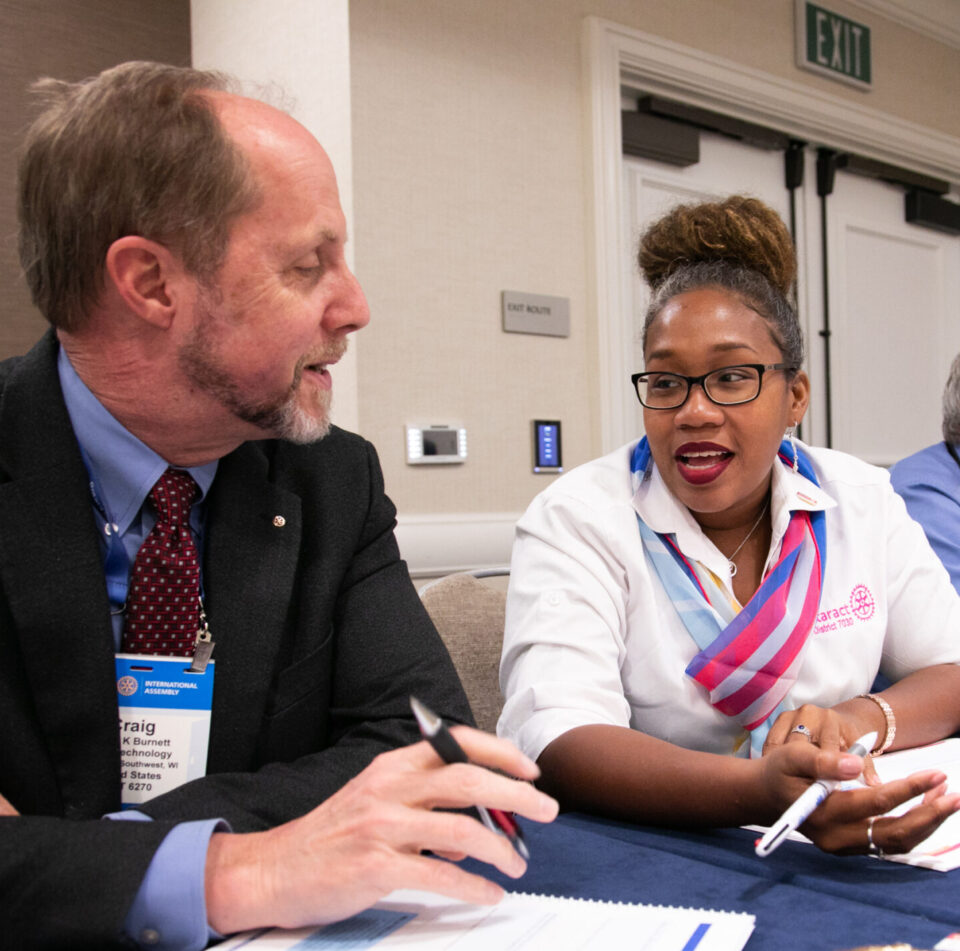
pixel 164 724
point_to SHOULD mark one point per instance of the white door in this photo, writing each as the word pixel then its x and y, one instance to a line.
pixel 894 292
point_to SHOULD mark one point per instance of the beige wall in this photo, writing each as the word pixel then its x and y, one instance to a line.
pixel 468 120
pixel 468 181
pixel 68 39
pixel 468 153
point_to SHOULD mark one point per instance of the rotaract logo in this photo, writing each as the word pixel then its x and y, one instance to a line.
pixel 127 686
pixel 862 603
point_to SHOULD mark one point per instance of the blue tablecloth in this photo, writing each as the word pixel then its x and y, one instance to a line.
pixel 803 899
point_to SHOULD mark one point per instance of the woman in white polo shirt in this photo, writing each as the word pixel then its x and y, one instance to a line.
pixel 717 591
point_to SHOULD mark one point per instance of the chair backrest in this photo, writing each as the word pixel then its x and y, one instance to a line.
pixel 469 616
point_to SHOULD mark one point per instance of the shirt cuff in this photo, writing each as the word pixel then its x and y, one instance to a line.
pixel 169 912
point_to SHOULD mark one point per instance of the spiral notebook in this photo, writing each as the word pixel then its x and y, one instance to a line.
pixel 412 919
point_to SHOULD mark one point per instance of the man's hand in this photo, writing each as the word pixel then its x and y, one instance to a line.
pixel 367 839
pixel 6 809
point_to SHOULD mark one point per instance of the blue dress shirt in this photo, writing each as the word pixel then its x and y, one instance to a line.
pixel 929 482
pixel 169 911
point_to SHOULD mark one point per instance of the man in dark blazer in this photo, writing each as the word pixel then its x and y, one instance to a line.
pixel 186 245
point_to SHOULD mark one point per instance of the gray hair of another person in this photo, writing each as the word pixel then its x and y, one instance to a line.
pixel 951 404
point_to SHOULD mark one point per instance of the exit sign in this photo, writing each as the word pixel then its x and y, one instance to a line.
pixel 833 45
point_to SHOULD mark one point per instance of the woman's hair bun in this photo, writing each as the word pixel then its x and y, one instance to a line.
pixel 742 231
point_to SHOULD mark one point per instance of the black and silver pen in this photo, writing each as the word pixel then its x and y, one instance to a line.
pixel 435 732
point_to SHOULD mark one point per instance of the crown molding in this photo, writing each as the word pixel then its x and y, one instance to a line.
pixel 940 22
pixel 654 64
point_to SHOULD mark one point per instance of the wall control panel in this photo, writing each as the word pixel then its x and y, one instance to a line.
pixel 437 444
pixel 547 449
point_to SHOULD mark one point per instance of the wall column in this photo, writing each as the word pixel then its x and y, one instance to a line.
pixel 302 46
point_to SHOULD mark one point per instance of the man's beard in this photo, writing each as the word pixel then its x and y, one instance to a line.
pixel 281 417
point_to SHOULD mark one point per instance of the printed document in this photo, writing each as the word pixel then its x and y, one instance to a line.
pixel 413 919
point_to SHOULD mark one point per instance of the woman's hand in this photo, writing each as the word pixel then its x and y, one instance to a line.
pixel 849 820
pixel 828 728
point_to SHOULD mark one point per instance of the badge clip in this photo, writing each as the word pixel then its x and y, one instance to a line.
pixel 203 646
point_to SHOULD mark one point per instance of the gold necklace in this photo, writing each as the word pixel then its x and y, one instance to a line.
pixel 746 538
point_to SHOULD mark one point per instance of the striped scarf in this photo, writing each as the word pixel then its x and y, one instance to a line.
pixel 749 659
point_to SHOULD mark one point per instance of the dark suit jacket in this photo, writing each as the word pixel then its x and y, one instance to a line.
pixel 320 639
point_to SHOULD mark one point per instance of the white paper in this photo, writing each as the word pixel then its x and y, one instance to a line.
pixel 536 922
pixel 940 851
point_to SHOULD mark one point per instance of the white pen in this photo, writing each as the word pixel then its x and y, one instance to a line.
pixel 810 798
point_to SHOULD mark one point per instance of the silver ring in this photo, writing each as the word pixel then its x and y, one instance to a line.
pixel 872 846
pixel 805 730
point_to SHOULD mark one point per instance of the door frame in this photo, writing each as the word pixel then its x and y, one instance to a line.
pixel 616 56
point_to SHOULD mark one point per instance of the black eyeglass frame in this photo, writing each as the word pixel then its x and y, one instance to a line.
pixel 692 381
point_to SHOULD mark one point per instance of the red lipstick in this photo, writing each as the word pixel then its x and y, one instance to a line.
pixel 701 462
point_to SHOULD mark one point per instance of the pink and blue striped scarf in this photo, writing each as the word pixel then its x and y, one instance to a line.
pixel 749 660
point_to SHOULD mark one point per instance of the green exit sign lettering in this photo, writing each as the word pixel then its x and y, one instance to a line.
pixel 833 45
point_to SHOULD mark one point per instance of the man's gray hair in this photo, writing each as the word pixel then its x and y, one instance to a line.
pixel 137 150
pixel 951 404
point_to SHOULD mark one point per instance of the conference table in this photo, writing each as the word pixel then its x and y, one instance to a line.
pixel 803 899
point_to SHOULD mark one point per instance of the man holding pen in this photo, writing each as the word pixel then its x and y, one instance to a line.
pixel 169 479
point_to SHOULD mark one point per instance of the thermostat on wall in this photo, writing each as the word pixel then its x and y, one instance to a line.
pixel 437 444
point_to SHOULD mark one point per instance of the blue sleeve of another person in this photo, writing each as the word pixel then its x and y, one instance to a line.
pixel 929 483
pixel 170 910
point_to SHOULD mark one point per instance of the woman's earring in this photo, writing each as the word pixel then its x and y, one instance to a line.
pixel 791 433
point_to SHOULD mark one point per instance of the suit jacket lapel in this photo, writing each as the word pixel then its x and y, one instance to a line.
pixel 250 561
pixel 60 607
pixel 58 601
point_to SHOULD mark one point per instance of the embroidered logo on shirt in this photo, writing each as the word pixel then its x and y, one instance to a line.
pixel 860 606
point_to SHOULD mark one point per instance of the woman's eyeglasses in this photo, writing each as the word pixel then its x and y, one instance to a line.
pixel 727 386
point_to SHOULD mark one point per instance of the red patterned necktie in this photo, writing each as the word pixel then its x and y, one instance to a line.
pixel 163 606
